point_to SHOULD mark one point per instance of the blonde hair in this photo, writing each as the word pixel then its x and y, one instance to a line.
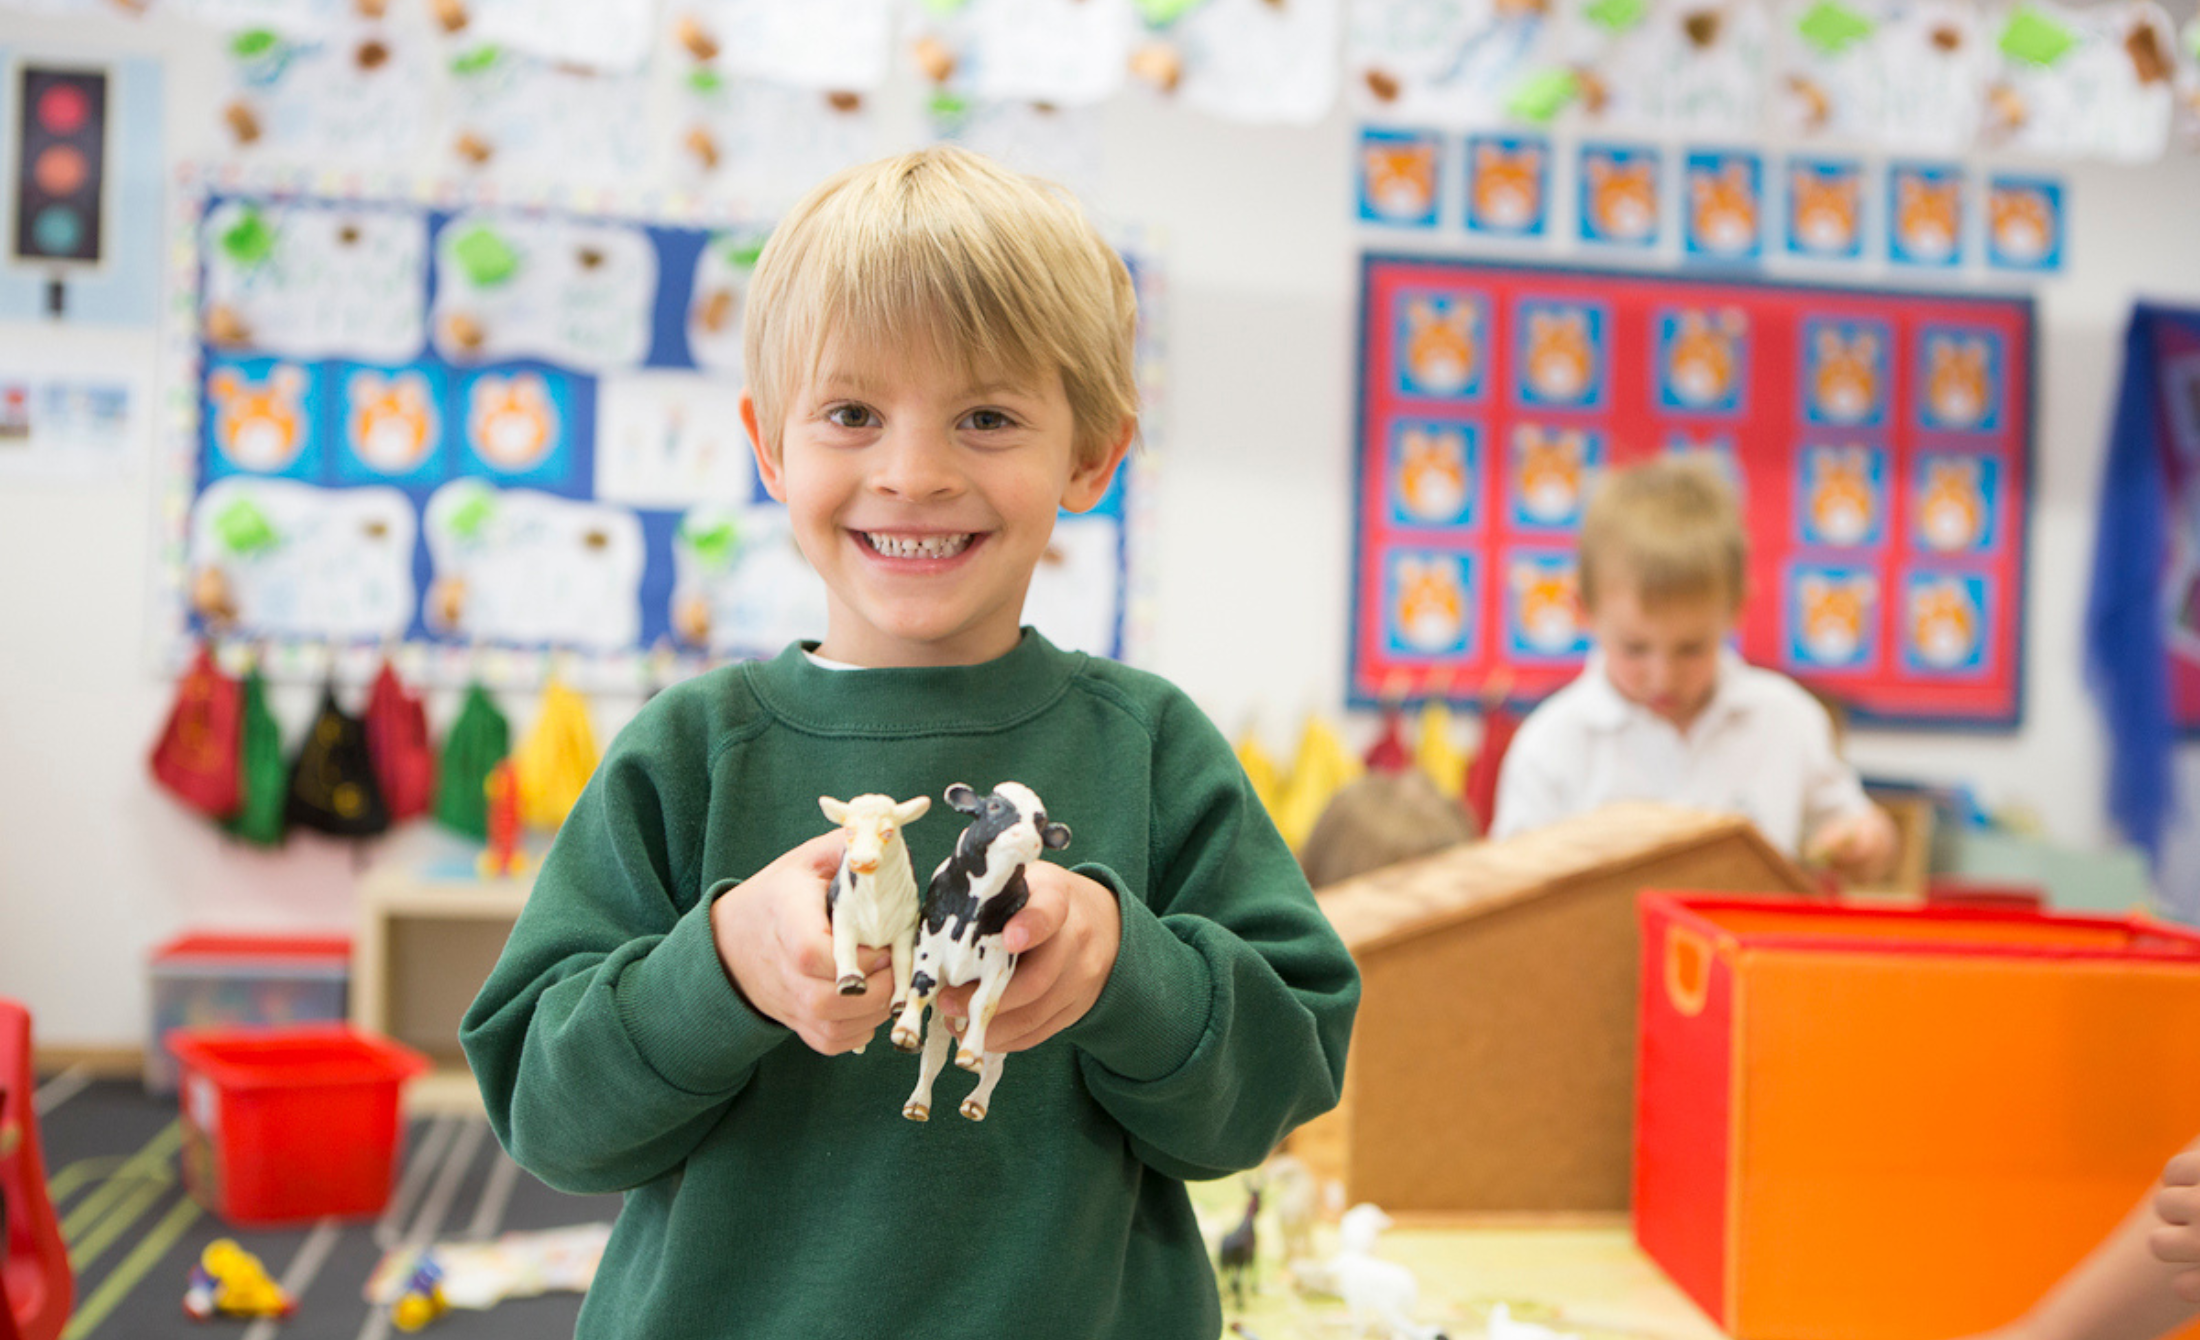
pixel 1381 819
pixel 1669 529
pixel 943 251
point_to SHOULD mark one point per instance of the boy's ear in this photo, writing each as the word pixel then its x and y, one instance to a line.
pixel 767 464
pixel 1088 484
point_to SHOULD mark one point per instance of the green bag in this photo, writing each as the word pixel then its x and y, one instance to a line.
pixel 265 777
pixel 479 740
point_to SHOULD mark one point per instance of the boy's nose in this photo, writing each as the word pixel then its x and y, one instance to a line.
pixel 917 466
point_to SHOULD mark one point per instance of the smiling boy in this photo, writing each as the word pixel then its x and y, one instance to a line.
pixel 940 360
pixel 1664 709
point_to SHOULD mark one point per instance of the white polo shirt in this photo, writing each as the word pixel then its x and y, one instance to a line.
pixel 1762 747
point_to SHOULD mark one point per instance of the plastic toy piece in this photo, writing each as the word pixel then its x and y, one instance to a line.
pixel 229 1281
pixel 973 895
pixel 1379 1293
pixel 873 897
pixel 1240 1250
pixel 502 858
pixel 423 1300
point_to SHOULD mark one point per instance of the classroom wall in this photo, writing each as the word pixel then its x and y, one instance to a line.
pixel 1252 538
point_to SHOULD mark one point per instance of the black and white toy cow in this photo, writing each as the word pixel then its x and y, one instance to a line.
pixel 973 895
pixel 873 897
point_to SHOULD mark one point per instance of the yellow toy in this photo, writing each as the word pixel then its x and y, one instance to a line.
pixel 230 1281
pixel 423 1300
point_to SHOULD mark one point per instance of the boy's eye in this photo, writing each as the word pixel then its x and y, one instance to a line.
pixel 849 416
pixel 989 420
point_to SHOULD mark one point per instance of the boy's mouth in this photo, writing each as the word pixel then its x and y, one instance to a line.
pixel 916 546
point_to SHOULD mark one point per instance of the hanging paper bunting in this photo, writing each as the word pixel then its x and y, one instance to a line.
pixel 195 757
pixel 479 739
pixel 556 759
pixel 1321 768
pixel 332 786
pixel 397 741
pixel 264 775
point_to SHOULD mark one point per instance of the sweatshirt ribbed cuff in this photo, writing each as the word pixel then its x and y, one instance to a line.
pixel 685 1018
pixel 1152 1014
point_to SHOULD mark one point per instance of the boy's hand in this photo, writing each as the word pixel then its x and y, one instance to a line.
pixel 777 947
pixel 1067 935
pixel 1858 847
pixel 2177 1238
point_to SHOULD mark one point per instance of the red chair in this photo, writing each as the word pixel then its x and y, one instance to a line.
pixel 36 1288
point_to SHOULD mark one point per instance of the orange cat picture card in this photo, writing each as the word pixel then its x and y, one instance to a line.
pixel 1399 173
pixel 2024 223
pixel 1508 185
pixel 1825 208
pixel 1925 214
pixel 1723 206
pixel 1619 194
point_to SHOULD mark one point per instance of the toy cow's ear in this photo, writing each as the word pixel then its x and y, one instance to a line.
pixel 909 811
pixel 963 798
pixel 835 810
pixel 1055 836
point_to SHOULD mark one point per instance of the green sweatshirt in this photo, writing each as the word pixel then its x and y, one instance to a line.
pixel 774 1192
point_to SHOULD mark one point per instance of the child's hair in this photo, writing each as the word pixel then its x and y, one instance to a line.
pixel 945 251
pixel 1381 819
pixel 1667 528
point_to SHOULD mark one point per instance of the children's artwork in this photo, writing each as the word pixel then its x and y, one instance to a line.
pixel 1400 174
pixel 508 286
pixel 549 454
pixel 312 279
pixel 1255 61
pixel 1925 214
pixel 764 144
pixel 1450 63
pixel 1930 66
pixel 358 92
pixel 1619 195
pixel 597 34
pixel 1061 144
pixel 1508 185
pixel 2024 223
pixel 1825 208
pixel 1071 53
pixel 1880 442
pixel 288 559
pixel 1722 205
pixel 826 45
pixel 513 116
pixel 69 418
pixel 2094 82
pixel 1681 69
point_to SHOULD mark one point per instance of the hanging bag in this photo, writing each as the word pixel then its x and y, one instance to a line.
pixel 332 786
pixel 195 757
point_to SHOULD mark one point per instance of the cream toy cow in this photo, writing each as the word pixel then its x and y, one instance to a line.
pixel 973 894
pixel 873 897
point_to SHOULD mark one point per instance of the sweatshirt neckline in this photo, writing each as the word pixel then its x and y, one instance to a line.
pixel 914 700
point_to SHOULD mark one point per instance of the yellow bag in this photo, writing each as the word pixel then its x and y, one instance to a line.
pixel 1322 768
pixel 1442 759
pixel 554 762
pixel 1260 770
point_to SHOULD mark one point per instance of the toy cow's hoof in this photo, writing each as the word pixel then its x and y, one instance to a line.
pixel 906 1041
pixel 852 984
pixel 916 1111
pixel 973 1110
pixel 968 1059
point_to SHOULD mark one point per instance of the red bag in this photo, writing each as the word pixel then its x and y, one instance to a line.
pixel 397 744
pixel 196 756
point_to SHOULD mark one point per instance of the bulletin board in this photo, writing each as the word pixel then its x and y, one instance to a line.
pixel 1880 442
pixel 468 422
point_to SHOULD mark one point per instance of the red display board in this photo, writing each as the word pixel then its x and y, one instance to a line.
pixel 1880 443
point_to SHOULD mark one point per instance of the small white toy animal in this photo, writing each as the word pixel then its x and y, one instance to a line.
pixel 1378 1293
pixel 972 896
pixel 873 897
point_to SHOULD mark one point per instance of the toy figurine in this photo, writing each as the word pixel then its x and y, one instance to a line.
pixel 972 896
pixel 873 897
pixel 502 858
pixel 1240 1248
pixel 230 1281
pixel 1379 1293
pixel 423 1300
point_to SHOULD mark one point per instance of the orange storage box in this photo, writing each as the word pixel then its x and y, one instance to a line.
pixel 287 1124
pixel 1896 1123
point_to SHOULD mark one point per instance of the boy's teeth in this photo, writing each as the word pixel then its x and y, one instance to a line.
pixel 929 546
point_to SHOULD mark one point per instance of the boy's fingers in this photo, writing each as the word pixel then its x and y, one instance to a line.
pixel 1035 924
pixel 2176 1204
pixel 2187 1285
pixel 2176 1245
pixel 2184 1170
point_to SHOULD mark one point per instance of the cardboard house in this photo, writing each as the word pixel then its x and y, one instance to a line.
pixel 1492 1063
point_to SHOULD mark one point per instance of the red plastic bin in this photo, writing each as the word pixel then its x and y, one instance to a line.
pixel 285 1124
